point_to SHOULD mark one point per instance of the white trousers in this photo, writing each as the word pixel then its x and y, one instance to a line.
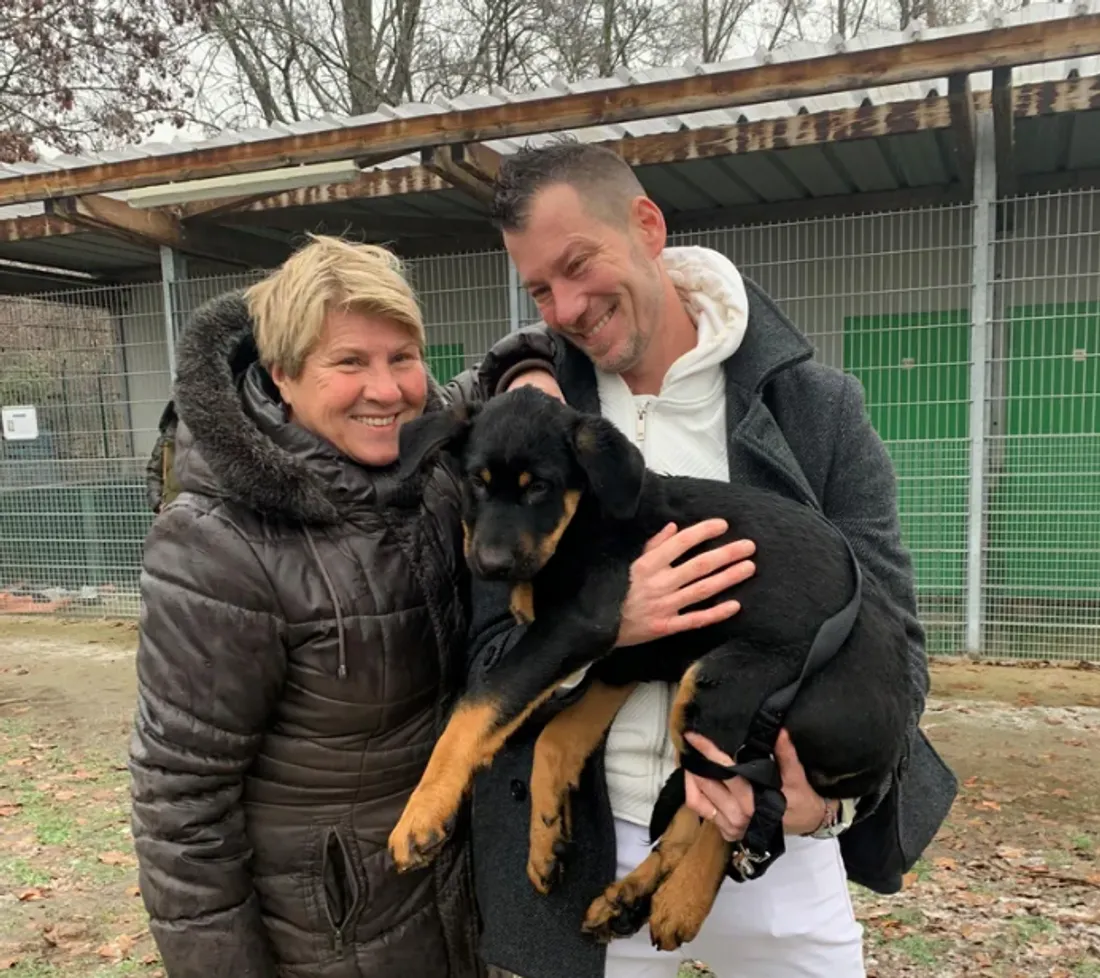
pixel 796 921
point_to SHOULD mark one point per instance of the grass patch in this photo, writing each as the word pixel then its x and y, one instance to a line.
pixel 1027 929
pixel 20 872
pixel 909 916
pixel 51 827
pixel 922 950
pixel 131 966
pixel 1057 858
pixel 922 870
pixel 34 969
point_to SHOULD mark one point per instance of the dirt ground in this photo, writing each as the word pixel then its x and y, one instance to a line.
pixel 1011 886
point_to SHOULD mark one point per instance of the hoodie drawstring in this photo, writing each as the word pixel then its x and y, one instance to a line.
pixel 342 669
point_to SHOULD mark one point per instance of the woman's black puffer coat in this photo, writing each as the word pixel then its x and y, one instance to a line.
pixel 303 624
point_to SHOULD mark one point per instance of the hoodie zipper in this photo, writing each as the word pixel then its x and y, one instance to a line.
pixel 639 428
pixel 655 748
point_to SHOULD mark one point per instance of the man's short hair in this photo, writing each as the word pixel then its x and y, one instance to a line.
pixel 603 179
pixel 289 306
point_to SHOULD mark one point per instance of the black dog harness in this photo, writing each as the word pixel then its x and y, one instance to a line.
pixel 763 841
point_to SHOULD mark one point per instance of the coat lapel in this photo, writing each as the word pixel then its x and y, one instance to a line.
pixel 759 454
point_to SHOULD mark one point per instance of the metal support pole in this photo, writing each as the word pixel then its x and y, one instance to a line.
pixel 985 218
pixel 514 297
pixel 173 269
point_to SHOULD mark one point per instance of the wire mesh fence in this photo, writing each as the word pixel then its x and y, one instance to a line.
pixel 72 508
pixel 886 297
pixel 1042 548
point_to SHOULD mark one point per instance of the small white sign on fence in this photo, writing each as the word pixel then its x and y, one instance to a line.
pixel 20 423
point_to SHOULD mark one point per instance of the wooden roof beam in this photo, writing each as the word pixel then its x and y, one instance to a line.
pixel 33 227
pixel 834 125
pixel 1030 100
pixel 151 228
pixel 211 209
pixel 964 128
pixel 479 161
pixel 373 183
pixel 806 129
pixel 1019 44
pixel 1004 130
pixel 1055 97
pixel 469 167
pixel 830 126
pixel 444 162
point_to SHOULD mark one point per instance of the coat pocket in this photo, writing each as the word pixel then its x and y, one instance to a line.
pixel 340 885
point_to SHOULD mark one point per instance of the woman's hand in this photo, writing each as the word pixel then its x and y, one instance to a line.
pixel 659 592
pixel 729 804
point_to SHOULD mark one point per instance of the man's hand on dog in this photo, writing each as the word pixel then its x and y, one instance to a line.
pixel 729 804
pixel 659 591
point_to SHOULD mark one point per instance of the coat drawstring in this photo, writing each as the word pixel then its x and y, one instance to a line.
pixel 342 669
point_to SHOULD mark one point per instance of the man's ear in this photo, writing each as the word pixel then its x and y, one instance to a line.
pixel 422 439
pixel 615 468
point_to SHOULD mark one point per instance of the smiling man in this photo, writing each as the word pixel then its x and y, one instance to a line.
pixel 700 369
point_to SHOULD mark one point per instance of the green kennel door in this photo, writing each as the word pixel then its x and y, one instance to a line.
pixel 915 374
pixel 1045 493
pixel 445 360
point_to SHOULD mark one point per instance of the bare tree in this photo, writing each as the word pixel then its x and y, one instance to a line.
pixel 278 61
pixel 473 45
pixel 79 75
pixel 288 60
pixel 710 27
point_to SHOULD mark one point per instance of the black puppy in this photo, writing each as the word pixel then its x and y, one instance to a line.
pixel 560 504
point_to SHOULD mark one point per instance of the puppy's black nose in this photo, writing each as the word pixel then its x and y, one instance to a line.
pixel 492 563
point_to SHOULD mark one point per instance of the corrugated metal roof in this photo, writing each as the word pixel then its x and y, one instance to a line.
pixel 687 191
pixel 769 110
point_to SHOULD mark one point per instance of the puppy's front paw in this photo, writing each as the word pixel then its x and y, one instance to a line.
pixel 620 911
pixel 423 830
pixel 550 833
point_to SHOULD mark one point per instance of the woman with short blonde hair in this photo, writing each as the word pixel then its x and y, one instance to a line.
pixel 289 306
pixel 302 634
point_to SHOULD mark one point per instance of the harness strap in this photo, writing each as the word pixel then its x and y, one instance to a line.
pixel 763 841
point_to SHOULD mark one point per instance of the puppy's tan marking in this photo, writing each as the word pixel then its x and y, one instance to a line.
pixel 684 695
pixel 522 604
pixel 549 543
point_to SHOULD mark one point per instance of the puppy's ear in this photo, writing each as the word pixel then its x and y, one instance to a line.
pixel 614 467
pixel 421 440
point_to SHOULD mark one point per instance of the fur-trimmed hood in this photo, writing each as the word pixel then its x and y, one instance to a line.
pixel 235 441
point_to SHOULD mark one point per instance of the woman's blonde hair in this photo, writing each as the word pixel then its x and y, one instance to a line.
pixel 289 306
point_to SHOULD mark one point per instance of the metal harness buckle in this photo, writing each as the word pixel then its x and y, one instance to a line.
pixel 744 861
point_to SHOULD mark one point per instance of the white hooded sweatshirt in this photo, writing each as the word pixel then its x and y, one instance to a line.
pixel 680 431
